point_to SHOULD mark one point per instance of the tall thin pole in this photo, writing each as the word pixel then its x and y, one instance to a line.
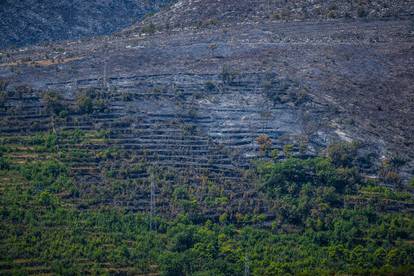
pixel 246 265
pixel 105 84
pixel 152 202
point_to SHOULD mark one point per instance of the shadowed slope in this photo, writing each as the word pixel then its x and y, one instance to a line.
pixel 32 21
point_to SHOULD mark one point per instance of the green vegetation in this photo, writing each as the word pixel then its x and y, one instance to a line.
pixel 3 84
pixel 361 11
pixel 149 29
pixel 324 218
pixel 91 100
pixel 54 103
pixel 411 184
pixel 87 102
pixel 210 86
pixel 228 74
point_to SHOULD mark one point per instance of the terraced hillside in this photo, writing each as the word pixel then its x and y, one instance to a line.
pixel 309 82
pixel 200 105
pixel 198 142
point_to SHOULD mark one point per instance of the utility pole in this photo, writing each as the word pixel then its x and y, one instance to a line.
pixel 246 266
pixel 75 83
pixel 152 201
pixel 105 84
pixel 105 67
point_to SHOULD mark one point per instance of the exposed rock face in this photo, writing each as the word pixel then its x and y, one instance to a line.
pixel 32 21
pixel 194 101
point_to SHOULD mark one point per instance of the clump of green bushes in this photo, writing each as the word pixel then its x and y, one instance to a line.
pixel 54 103
pixel 91 100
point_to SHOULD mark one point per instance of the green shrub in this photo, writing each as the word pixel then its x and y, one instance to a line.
pixel 3 84
pixel 3 98
pixel 210 86
pixel 287 150
pixel 224 218
pixel 171 264
pixel 47 199
pixel 279 91
pixel 44 141
pixel 274 154
pixel 149 28
pixel 180 193
pixel 228 75
pixel 85 104
pixel 54 102
pixel 45 174
pixel 4 163
pixel 90 100
pixel 361 11
pixel 332 14
pixel 343 154
pixel 411 183
pixel 211 22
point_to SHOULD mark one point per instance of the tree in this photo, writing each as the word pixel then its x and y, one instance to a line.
pixel 149 29
pixel 4 163
pixel 46 199
pixel 228 74
pixel 265 144
pixel 54 102
pixel 171 264
pixel 223 218
pixel 85 103
pixel 343 154
pixel 90 100
pixel 287 150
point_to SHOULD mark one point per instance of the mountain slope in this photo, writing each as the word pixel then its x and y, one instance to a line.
pixel 186 13
pixel 200 103
pixel 246 143
pixel 31 21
